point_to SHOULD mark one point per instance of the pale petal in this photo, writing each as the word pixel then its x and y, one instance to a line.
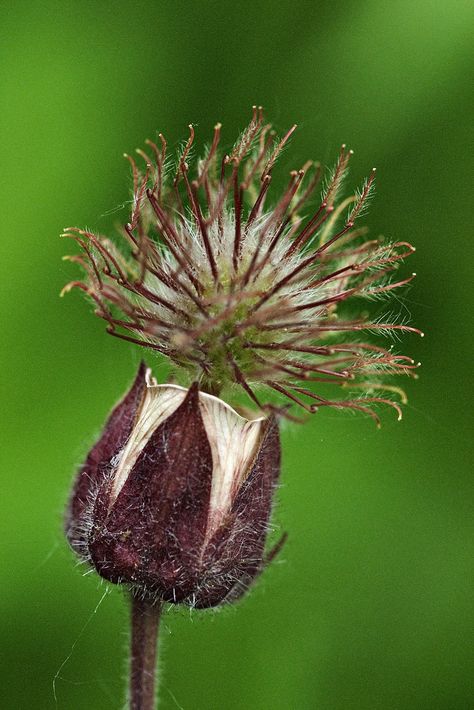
pixel 234 444
pixel 159 402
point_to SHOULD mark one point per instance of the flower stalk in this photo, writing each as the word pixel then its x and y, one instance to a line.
pixel 145 622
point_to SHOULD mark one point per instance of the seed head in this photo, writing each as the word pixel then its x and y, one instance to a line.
pixel 238 288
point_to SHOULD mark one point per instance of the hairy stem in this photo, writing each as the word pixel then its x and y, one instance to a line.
pixel 145 621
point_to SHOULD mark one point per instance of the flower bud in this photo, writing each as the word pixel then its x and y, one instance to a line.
pixel 175 497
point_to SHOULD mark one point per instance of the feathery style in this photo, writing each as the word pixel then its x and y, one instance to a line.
pixel 237 286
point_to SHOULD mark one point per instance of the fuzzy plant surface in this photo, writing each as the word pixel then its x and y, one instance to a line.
pixel 238 285
pixel 242 289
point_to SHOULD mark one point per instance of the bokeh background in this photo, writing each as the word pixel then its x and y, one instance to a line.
pixel 370 605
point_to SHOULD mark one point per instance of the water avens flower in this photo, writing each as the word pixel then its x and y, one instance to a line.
pixel 243 289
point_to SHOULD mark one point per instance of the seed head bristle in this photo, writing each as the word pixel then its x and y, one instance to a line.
pixel 235 292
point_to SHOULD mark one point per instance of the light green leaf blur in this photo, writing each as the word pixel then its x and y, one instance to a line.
pixel 369 607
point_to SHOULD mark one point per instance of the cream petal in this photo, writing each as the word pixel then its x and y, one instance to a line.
pixel 233 440
pixel 234 443
pixel 159 403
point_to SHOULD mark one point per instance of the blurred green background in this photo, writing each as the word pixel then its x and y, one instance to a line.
pixel 370 605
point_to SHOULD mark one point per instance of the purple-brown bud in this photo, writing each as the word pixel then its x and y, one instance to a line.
pixel 175 497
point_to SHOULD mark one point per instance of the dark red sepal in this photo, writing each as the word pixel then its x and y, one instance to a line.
pixel 235 555
pixel 98 463
pixel 153 534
